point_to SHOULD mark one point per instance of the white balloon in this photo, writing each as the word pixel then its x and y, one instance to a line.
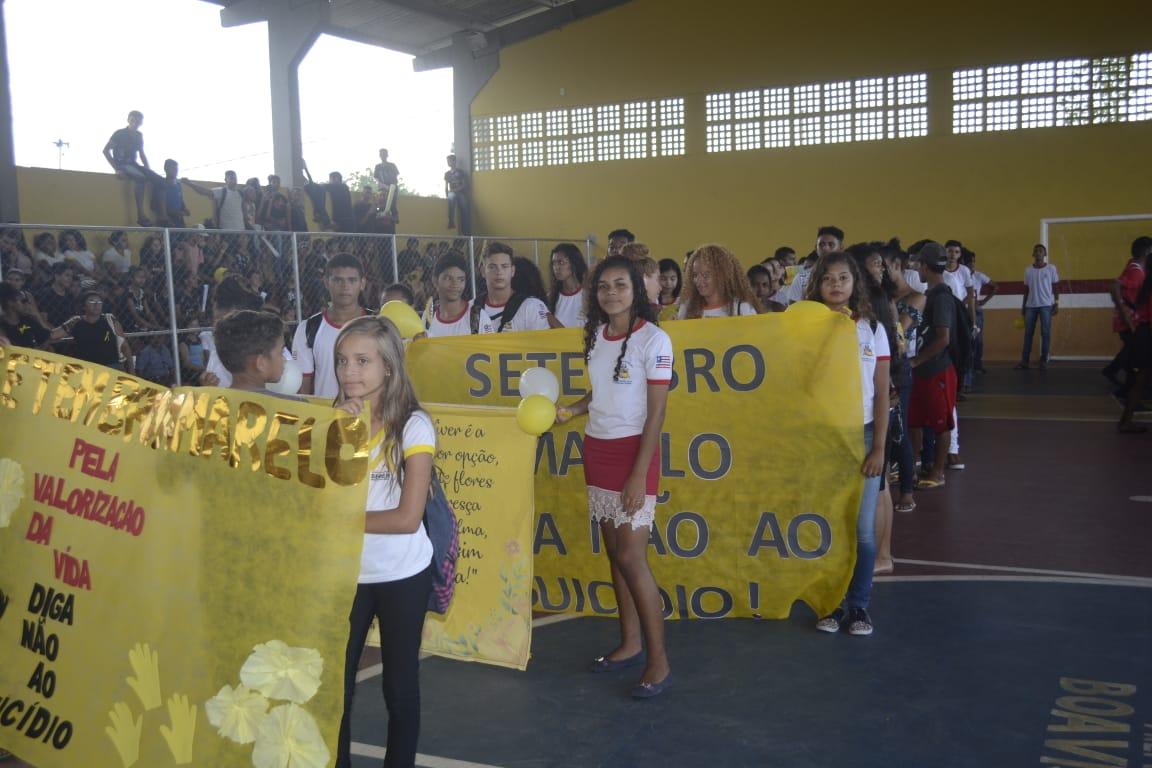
pixel 290 381
pixel 539 381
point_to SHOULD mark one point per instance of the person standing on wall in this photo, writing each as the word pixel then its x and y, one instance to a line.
pixel 458 188
pixel 1041 300
pixel 388 176
pixel 121 152
pixel 228 201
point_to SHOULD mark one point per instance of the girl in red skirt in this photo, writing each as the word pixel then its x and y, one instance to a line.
pixel 629 369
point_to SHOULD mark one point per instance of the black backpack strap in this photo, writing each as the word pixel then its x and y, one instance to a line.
pixel 474 314
pixel 311 328
pixel 510 310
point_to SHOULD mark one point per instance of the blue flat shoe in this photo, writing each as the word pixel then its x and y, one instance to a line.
pixel 651 690
pixel 601 664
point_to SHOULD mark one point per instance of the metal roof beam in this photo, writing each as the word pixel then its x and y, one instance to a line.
pixel 440 13
pixel 518 31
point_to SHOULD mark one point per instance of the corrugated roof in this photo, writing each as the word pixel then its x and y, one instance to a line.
pixel 412 26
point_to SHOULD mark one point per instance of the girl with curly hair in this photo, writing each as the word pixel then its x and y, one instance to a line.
pixel 630 371
pixel 566 299
pixel 838 284
pixel 716 285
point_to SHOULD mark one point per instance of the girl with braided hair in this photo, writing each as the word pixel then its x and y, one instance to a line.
pixel 629 371
pixel 716 285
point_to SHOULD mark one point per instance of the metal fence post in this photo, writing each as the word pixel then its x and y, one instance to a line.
pixel 395 261
pixel 172 303
pixel 536 252
pixel 588 251
pixel 472 263
pixel 296 277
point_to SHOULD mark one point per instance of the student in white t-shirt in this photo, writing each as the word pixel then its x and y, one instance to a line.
pixel 314 344
pixel 1041 302
pixel 76 251
pixel 117 259
pixel 566 299
pixel 838 284
pixel 527 313
pixel 395 579
pixel 448 313
pixel 716 285
pixel 959 278
pixel 629 372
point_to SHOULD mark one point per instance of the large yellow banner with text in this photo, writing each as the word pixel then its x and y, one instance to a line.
pixel 760 479
pixel 177 566
pixel 485 462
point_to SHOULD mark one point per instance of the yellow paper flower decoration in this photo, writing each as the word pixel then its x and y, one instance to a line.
pixel 11 489
pixel 280 671
pixel 237 713
pixel 289 738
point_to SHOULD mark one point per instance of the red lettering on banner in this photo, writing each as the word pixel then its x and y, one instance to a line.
pixel 40 529
pixel 96 506
pixel 92 460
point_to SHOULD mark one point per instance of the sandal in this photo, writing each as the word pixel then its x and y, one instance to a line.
pixel 928 483
pixel 905 507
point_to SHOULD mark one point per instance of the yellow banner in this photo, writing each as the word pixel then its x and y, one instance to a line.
pixel 760 465
pixel 177 567
pixel 485 462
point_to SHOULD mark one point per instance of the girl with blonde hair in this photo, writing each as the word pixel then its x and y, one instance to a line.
pixel 716 285
pixel 396 562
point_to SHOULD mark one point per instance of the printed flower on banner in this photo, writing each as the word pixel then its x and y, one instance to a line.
pixel 512 547
pixel 11 489
pixel 280 671
pixel 515 596
pixel 237 713
pixel 289 738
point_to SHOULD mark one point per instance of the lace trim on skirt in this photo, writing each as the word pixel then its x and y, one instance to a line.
pixel 606 506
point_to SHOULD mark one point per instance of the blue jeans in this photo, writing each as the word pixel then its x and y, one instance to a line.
pixel 1030 315
pixel 860 589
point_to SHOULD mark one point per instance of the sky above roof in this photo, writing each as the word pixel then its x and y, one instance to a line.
pixel 78 67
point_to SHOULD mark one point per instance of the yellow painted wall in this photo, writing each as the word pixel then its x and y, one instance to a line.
pixel 989 190
pixel 100 199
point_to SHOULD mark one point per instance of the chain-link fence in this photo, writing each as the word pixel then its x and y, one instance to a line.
pixel 159 284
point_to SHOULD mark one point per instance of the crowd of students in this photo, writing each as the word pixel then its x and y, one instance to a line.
pixel 917 315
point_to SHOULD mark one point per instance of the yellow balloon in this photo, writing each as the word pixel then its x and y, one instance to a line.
pixel 536 414
pixel 403 317
pixel 1018 323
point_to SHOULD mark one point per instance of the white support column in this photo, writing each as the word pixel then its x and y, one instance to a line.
pixel 9 194
pixel 292 29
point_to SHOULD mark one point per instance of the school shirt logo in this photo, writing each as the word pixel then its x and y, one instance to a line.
pixel 624 377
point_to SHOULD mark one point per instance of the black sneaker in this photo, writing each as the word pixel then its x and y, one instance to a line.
pixel 833 621
pixel 859 623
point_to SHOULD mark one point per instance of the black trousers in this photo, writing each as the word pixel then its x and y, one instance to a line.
pixel 399 607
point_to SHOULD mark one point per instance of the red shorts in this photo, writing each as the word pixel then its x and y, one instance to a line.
pixel 608 463
pixel 933 401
